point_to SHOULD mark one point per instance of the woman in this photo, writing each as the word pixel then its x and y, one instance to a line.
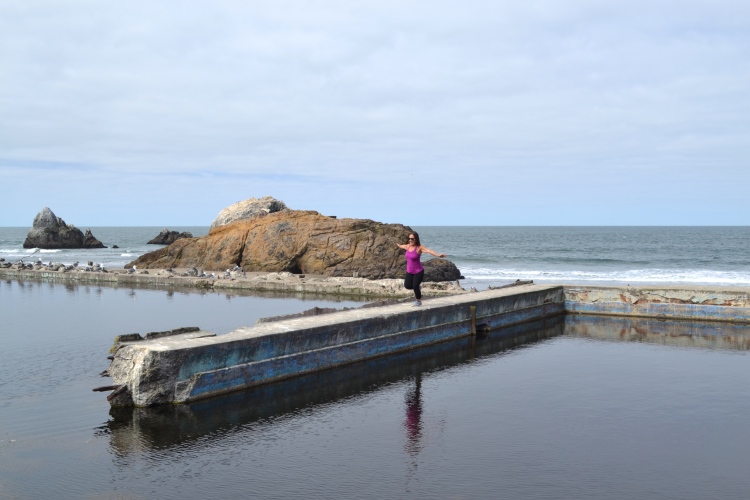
pixel 414 270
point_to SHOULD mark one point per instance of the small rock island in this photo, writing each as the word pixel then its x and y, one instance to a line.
pixel 51 232
pixel 167 237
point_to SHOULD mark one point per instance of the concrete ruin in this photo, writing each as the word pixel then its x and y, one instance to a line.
pixel 192 366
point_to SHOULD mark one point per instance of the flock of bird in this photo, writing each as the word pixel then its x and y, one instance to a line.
pixel 39 265
pixel 237 271
pixel 54 266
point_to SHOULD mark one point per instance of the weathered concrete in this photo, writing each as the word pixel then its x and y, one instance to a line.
pixel 170 370
pixel 667 302
pixel 178 370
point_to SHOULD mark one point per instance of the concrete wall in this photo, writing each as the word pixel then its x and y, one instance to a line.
pixel 666 302
pixel 171 370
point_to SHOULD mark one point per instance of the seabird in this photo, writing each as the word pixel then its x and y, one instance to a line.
pixel 132 270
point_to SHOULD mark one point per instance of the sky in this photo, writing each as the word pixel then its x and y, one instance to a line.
pixel 161 113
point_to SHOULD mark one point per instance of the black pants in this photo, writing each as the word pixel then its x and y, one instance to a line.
pixel 412 282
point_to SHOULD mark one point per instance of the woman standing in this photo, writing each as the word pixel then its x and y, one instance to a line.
pixel 414 270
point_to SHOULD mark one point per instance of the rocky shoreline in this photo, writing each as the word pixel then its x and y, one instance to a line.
pixel 298 251
pixel 233 280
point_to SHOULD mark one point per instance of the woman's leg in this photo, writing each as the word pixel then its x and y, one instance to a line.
pixel 417 282
pixel 409 281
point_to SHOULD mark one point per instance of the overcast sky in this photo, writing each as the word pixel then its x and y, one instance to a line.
pixel 425 113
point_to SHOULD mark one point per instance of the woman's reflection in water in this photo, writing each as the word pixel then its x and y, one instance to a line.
pixel 413 421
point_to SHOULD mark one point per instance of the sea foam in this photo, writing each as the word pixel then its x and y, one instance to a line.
pixel 665 276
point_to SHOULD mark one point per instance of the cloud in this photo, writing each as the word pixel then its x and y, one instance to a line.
pixel 303 97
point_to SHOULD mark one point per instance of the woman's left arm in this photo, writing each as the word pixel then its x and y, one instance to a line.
pixel 432 252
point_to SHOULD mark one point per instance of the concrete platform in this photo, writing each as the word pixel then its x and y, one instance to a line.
pixel 180 370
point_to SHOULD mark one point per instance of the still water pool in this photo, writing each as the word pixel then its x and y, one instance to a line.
pixel 575 407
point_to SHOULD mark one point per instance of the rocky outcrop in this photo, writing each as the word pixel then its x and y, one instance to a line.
pixel 50 232
pixel 89 241
pixel 167 237
pixel 440 270
pixel 293 241
pixel 248 209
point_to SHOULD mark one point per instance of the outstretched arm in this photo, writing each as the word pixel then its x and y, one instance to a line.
pixel 402 247
pixel 431 252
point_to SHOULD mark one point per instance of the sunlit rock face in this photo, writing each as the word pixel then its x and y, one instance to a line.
pixel 295 241
pixel 248 209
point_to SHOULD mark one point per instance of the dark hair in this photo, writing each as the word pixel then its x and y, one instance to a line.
pixel 416 239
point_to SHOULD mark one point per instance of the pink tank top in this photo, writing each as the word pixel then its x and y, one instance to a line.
pixel 413 266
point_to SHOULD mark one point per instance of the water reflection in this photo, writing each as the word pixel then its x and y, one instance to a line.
pixel 701 335
pixel 170 290
pixel 413 423
pixel 132 430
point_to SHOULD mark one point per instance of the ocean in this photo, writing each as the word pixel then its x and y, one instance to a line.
pixel 538 411
pixel 497 255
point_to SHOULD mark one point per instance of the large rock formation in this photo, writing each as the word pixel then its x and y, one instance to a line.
pixel 248 209
pixel 50 231
pixel 167 237
pixel 295 241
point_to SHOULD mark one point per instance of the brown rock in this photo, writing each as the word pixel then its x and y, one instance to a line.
pixel 292 240
pixel 440 270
